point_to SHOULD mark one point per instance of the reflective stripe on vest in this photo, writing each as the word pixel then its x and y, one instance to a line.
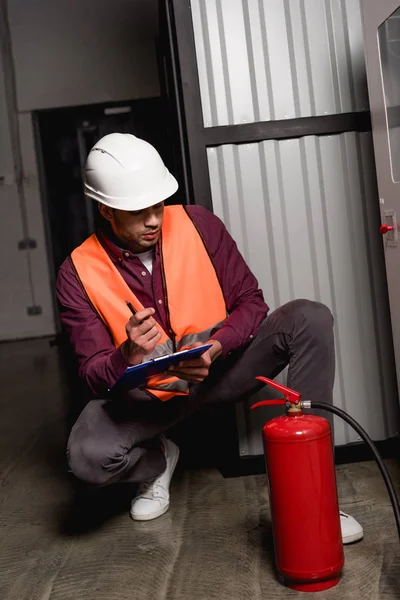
pixel 193 295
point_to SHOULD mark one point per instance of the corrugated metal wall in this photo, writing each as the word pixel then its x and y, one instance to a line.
pixel 261 60
pixel 304 215
pixel 303 211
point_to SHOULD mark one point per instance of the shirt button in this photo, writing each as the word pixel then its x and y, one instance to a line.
pixel 126 254
pixel 160 302
pixel 251 337
pixel 143 273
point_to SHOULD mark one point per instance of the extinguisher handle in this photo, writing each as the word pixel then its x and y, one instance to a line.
pixel 290 395
pixel 267 403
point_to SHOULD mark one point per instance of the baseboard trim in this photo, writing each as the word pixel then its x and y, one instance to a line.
pixel 360 452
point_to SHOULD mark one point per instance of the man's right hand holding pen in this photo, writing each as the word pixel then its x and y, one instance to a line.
pixel 143 336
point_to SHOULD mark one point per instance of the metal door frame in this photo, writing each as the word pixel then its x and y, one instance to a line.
pixel 374 15
pixel 198 137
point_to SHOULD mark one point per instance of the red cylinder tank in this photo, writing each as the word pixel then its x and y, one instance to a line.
pixel 303 497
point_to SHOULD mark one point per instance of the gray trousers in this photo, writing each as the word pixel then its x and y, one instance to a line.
pixel 118 441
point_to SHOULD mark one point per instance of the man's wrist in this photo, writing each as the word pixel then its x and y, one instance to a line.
pixel 131 357
pixel 216 350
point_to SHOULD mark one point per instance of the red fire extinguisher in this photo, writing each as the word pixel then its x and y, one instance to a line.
pixel 303 495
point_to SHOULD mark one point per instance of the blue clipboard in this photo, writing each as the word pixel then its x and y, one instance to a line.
pixel 137 375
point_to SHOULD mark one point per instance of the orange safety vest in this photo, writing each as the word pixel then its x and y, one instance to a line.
pixel 193 297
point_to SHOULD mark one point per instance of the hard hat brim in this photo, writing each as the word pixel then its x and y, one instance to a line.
pixel 158 194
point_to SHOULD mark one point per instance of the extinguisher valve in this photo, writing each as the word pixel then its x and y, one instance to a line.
pixel 305 404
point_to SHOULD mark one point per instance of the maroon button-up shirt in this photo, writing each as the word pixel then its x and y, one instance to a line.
pixel 100 363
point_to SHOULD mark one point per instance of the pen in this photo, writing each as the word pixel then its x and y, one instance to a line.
pixel 130 306
pixel 132 309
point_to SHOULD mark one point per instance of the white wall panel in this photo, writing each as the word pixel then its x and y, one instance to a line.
pixel 305 215
pixel 268 60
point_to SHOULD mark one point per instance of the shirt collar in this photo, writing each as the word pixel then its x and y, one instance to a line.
pixel 116 253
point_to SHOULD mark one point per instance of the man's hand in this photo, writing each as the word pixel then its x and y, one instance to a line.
pixel 143 336
pixel 195 371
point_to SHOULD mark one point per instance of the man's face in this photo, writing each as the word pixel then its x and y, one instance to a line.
pixel 137 230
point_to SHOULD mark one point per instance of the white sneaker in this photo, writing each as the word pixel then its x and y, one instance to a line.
pixel 351 529
pixel 152 499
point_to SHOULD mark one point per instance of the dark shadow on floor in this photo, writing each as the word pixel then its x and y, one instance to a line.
pixel 89 509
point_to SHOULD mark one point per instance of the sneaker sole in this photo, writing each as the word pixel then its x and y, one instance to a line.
pixel 351 539
pixel 150 517
pixel 161 511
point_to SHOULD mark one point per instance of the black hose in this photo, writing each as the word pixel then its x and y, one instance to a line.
pixel 382 467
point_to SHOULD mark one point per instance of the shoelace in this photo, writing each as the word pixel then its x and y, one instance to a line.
pixel 151 490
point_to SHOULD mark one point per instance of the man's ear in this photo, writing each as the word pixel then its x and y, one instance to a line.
pixel 105 211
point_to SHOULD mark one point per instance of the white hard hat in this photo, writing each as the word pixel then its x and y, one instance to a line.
pixel 127 173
